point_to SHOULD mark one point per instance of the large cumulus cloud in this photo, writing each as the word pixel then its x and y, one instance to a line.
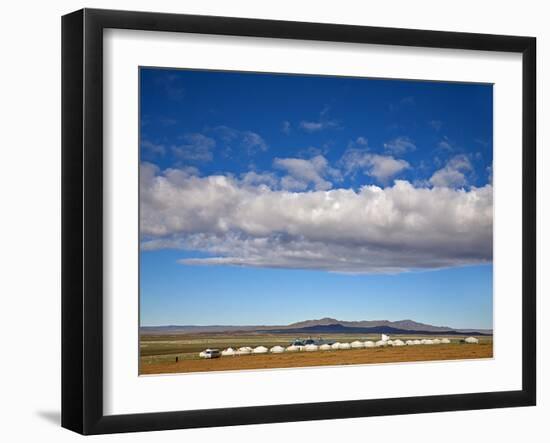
pixel 371 230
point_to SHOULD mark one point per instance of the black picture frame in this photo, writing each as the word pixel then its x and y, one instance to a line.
pixel 82 221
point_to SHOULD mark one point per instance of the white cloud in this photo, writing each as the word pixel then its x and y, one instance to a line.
pixel 482 142
pixel 384 167
pixel 359 142
pixel 225 133
pixel 302 173
pixel 313 151
pixel 445 144
pixel 453 174
pixel 319 125
pixel 310 126
pixel 289 183
pixel 372 230
pixel 381 167
pixel 153 148
pixel 447 177
pixel 253 142
pixel 179 175
pixel 252 178
pixel 400 145
pixel 196 147
pixel 250 141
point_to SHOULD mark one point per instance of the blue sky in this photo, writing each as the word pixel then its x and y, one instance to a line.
pixel 269 199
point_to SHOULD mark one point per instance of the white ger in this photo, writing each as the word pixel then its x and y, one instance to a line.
pixel 228 352
pixel 259 350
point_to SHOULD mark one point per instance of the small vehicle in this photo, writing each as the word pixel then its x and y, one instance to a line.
pixel 210 353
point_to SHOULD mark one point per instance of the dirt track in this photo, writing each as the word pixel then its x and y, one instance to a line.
pixel 325 358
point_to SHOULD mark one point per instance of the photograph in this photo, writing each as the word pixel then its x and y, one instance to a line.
pixel 275 222
pixel 291 221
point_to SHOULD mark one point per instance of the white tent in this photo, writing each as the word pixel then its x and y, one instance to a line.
pixel 277 349
pixel 417 342
pixel 228 352
pixel 410 343
pixel 293 348
pixel 381 343
pixel 244 350
pixel 369 344
pixel 428 342
pixel 437 341
pixel 260 350
pixel 389 342
pixel 357 344
pixel 472 340
pixel 344 346
pixel 311 348
pixel 325 347
pixel 335 345
pixel 445 341
pixel 398 343
pixel 385 337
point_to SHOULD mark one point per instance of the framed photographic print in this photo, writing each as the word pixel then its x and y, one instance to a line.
pixel 269 221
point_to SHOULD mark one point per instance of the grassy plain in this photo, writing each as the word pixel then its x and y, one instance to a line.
pixel 158 353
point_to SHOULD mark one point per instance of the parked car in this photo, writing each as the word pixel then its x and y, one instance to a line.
pixel 210 353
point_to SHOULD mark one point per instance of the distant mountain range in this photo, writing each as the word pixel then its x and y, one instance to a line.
pixel 323 326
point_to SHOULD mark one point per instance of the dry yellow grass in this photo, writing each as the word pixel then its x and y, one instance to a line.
pixel 323 358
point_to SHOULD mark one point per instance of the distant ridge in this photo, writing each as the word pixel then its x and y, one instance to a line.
pixel 323 325
pixel 340 329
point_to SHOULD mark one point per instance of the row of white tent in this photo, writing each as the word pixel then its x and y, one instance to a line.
pixel 338 346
